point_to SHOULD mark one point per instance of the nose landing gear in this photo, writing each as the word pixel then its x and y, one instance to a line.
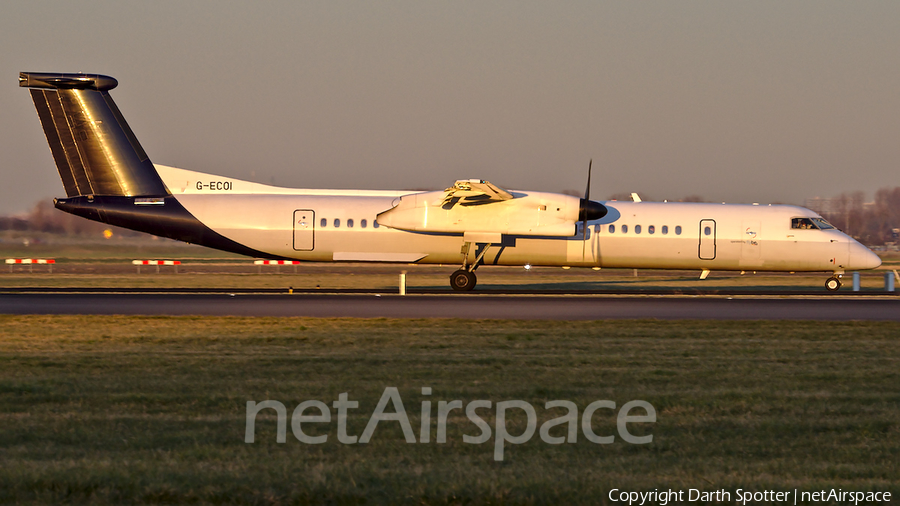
pixel 833 284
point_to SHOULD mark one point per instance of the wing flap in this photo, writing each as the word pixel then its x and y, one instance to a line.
pixel 371 256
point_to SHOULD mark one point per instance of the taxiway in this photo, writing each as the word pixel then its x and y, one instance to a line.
pixel 530 307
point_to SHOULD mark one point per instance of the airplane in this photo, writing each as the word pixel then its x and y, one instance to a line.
pixel 108 177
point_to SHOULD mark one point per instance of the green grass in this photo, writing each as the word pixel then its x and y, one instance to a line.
pixel 149 410
pixel 86 249
pixel 97 262
pixel 385 277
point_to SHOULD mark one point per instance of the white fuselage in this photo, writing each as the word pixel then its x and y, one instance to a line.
pixel 340 225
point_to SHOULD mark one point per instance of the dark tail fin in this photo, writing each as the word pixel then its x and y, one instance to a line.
pixel 95 150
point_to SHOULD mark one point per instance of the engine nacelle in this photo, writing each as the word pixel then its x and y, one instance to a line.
pixel 531 213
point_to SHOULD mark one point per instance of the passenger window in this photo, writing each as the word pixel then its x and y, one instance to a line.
pixel 624 229
pixel 375 224
pixel 323 223
pixel 350 223
pixel 651 229
pixel 337 222
pixel 665 229
pixel 707 230
pixel 612 229
pixel 362 223
pixel 637 229
pixel 678 230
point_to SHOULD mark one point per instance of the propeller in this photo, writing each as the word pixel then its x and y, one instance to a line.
pixel 588 209
pixel 583 207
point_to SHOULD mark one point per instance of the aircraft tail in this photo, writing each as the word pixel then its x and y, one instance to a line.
pixel 95 151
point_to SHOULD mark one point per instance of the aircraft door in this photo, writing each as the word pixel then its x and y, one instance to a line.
pixel 707 249
pixel 304 229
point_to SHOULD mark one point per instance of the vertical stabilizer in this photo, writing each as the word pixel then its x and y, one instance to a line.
pixel 94 149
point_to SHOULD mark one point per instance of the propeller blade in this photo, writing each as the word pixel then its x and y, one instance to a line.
pixel 587 191
pixel 586 202
pixel 589 210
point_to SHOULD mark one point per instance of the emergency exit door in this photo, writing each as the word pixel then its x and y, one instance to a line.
pixel 707 239
pixel 304 229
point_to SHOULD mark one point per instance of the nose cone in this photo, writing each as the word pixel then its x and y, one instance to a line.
pixel 862 257
pixel 591 210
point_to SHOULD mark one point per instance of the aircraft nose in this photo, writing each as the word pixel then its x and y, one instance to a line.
pixel 862 257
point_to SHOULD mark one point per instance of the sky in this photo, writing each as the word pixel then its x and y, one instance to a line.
pixel 763 101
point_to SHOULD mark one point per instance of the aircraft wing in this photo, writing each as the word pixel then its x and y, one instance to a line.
pixel 475 206
pixel 473 192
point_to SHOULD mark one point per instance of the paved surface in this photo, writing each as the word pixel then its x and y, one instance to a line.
pixel 832 308
pixel 515 290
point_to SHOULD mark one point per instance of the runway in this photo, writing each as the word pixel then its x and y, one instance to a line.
pixel 555 307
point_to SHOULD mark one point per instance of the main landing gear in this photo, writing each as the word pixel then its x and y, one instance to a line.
pixel 464 279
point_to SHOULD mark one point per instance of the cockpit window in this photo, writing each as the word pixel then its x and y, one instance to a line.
pixel 803 224
pixel 824 225
pixel 811 224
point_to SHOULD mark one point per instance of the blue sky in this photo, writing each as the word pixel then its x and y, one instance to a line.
pixel 763 101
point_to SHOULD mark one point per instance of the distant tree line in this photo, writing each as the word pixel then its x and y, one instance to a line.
pixel 43 217
pixel 873 223
pixel 627 197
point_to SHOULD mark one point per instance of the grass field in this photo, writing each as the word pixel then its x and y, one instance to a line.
pixel 107 263
pixel 378 277
pixel 104 263
pixel 152 410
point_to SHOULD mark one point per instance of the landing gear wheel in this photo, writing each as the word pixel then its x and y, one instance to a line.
pixel 833 284
pixel 462 280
